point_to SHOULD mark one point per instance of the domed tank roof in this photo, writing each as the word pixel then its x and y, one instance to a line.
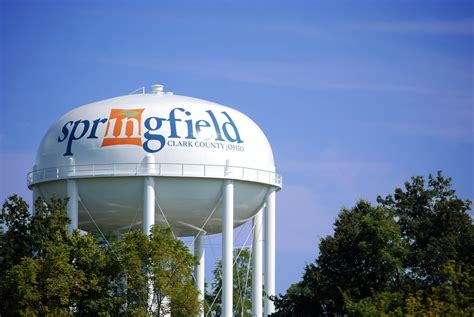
pixel 188 146
pixel 171 128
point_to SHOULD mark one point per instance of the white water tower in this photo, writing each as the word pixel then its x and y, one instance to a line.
pixel 159 158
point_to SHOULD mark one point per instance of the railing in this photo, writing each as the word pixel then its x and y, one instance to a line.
pixel 154 169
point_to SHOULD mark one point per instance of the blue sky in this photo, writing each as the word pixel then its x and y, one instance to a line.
pixel 354 96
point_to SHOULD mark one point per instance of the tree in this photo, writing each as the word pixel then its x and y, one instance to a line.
pixel 96 264
pixel 411 254
pixel 242 281
pixel 301 299
pixel 171 273
pixel 437 227
pixel 159 264
pixel 37 277
pixel 362 257
pixel 454 297
pixel 45 271
pixel 15 242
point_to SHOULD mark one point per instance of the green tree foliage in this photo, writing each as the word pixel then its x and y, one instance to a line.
pixel 410 255
pixel 242 294
pixel 171 272
pixel 363 256
pixel 46 272
pixel 16 241
pixel 437 227
pixel 159 263
pixel 36 276
pixel 453 297
pixel 97 266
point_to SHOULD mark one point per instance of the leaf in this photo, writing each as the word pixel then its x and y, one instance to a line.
pixel 129 113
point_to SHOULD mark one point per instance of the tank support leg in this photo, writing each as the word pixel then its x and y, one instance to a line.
pixel 148 204
pixel 257 266
pixel 227 248
pixel 149 217
pixel 72 205
pixel 199 253
pixel 36 194
pixel 269 273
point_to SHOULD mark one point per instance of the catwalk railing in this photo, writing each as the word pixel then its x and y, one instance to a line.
pixel 154 169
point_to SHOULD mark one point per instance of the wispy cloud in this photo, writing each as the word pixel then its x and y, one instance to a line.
pixel 465 27
pixel 461 132
pixel 445 119
pixel 299 75
pixel 289 28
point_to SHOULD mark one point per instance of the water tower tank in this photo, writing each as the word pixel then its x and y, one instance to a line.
pixel 188 145
pixel 158 158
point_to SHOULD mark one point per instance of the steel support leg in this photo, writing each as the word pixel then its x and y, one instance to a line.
pixel 72 205
pixel 257 290
pixel 269 252
pixel 199 253
pixel 148 204
pixel 227 248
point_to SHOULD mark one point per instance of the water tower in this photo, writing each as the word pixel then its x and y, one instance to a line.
pixel 158 158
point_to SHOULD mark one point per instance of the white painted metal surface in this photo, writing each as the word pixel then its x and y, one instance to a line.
pixel 148 204
pixel 148 197
pixel 151 169
pixel 199 253
pixel 227 249
pixel 188 138
pixel 172 128
pixel 36 194
pixel 269 273
pixel 72 205
pixel 257 289
pixel 158 158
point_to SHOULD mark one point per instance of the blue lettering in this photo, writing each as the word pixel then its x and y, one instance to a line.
pixel 153 124
pixel 233 126
pixel 200 124
pixel 154 141
pixel 189 124
pixel 172 121
pixel 94 128
pixel 216 126
pixel 65 131
pixel 73 135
